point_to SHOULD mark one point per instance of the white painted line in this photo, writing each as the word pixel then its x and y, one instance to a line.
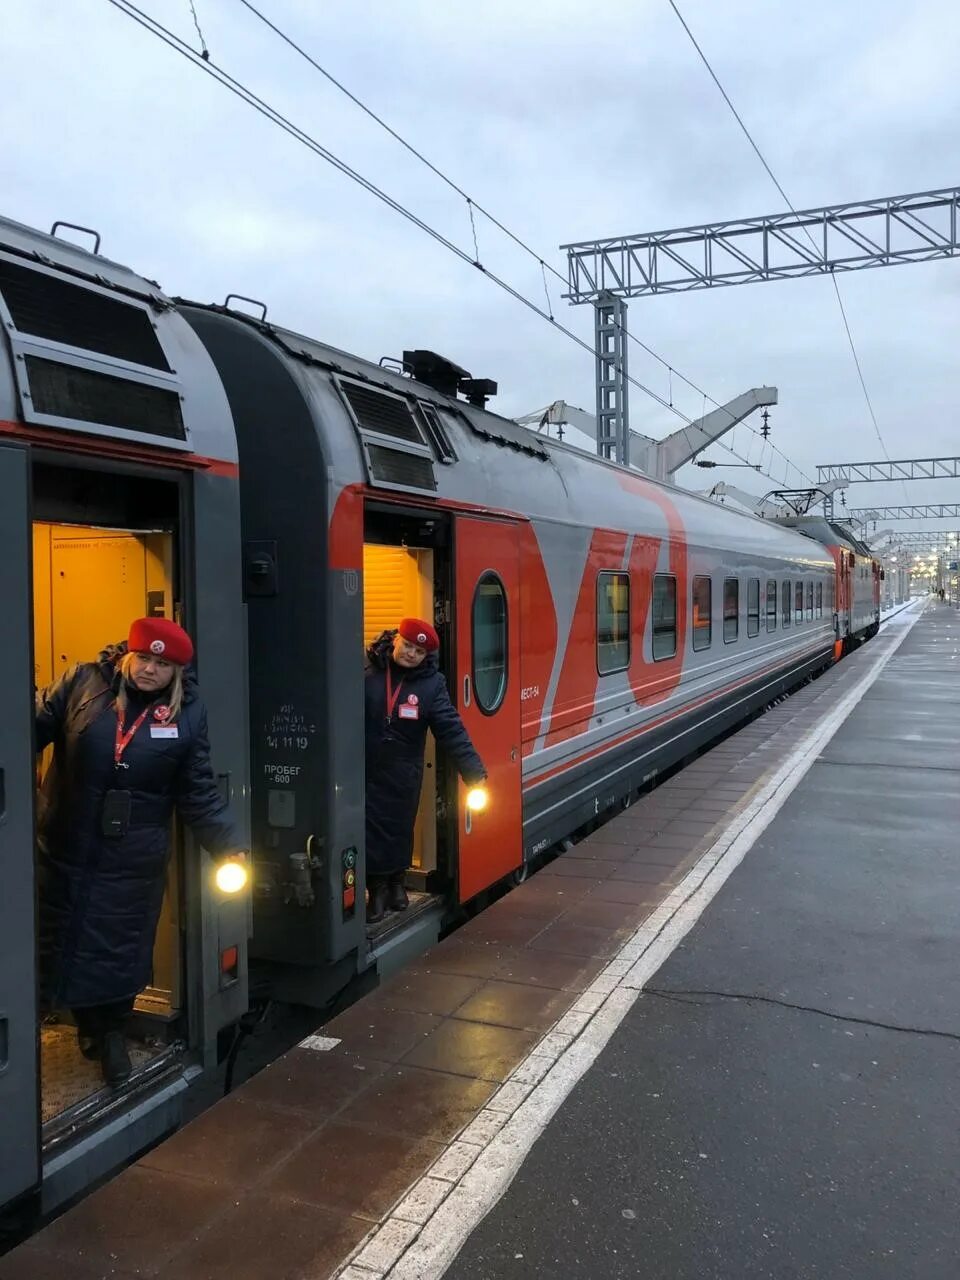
pixel 319 1044
pixel 480 1165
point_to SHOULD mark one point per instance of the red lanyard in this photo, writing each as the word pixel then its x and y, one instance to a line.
pixel 123 740
pixel 392 698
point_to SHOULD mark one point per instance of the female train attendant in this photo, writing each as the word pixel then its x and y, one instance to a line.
pixel 405 695
pixel 130 745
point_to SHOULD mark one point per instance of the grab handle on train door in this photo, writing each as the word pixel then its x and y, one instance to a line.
pixel 466 691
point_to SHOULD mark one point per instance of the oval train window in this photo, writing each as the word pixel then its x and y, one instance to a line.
pixel 489 643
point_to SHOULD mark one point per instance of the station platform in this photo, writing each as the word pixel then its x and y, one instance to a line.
pixel 718 1037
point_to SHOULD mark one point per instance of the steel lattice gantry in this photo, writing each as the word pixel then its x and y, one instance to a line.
pixel 901 469
pixel 840 237
pixel 930 539
pixel 935 511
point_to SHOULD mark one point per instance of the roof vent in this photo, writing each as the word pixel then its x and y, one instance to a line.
pixel 446 377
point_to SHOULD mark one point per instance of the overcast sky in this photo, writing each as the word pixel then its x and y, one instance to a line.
pixel 567 121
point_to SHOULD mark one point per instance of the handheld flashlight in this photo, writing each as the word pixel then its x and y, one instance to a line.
pixel 231 876
pixel 477 799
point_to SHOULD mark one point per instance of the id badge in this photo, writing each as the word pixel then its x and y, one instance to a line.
pixel 115 814
pixel 406 712
pixel 164 731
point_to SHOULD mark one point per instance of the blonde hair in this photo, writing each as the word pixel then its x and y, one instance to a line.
pixel 172 695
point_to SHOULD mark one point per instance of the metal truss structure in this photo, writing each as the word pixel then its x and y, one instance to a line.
pixel 610 345
pixel 835 238
pixel 901 469
pixel 934 511
pixel 657 458
pixel 917 540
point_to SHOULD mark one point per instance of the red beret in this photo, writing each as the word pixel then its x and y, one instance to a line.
pixel 416 631
pixel 161 638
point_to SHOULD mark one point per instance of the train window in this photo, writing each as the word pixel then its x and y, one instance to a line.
pixel 613 622
pixel 819 599
pixel 702 610
pixel 771 606
pixel 753 606
pixel 809 601
pixel 785 605
pixel 489 643
pixel 664 613
pixel 798 603
pixel 731 609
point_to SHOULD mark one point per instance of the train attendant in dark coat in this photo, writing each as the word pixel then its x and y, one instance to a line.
pixel 405 695
pixel 130 746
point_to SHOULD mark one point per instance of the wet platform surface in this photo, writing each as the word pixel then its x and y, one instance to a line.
pixel 291 1174
pixel 781 1100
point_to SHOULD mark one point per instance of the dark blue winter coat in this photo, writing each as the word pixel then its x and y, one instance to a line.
pixel 100 896
pixel 394 751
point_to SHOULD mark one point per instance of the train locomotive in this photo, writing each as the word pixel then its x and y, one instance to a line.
pixel 288 502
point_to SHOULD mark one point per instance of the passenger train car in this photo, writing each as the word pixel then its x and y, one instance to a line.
pixel 287 502
pixel 119 496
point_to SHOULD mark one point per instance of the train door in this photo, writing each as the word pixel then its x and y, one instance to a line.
pixel 487 575
pixel 405 571
pixel 92 575
pixel 398 582
pixel 19 1121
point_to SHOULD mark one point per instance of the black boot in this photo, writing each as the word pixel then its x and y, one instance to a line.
pixel 376 899
pixel 115 1060
pixel 90 1046
pixel 397 899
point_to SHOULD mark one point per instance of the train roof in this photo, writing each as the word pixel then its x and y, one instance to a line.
pixel 97 349
pixel 474 456
pixel 483 459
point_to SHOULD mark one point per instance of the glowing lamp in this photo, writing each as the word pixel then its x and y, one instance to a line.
pixel 477 799
pixel 231 876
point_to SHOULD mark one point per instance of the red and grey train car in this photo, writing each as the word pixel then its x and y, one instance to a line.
pixel 597 626
pixel 119 496
pixel 287 501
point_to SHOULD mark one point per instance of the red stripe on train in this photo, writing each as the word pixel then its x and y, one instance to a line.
pixel 107 446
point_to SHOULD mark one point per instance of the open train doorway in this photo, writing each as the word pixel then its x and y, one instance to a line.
pixel 405 574
pixel 91 578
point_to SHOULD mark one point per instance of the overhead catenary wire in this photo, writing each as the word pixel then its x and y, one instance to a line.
pixel 247 95
pixel 773 178
pixel 473 205
pixel 227 81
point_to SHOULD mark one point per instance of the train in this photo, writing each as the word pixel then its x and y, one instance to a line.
pixel 286 502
